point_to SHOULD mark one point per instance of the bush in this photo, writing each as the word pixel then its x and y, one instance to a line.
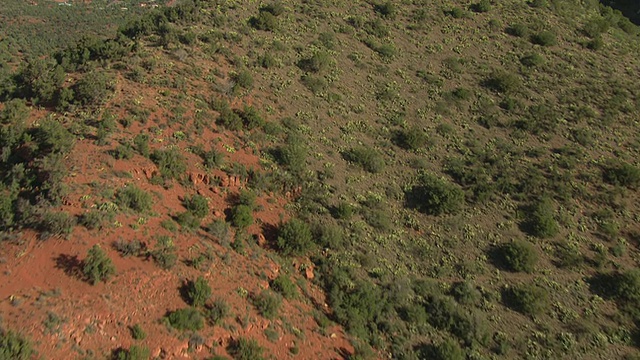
pixel 532 60
pixel 293 154
pixel 622 174
pixel 141 144
pixel 197 205
pixel 230 120
pixel 213 159
pixel 93 89
pixel 544 38
pixel 294 238
pixel 170 162
pixel 465 293
pixel 519 30
pixel 503 82
pixel 246 349
pixel 413 138
pixel 137 332
pixel 369 159
pixel 435 196
pixel 134 198
pixel 14 347
pixel 186 319
pixel 135 352
pixel 54 137
pixel 482 6
pixel 284 286
pixel 268 303
pixel 57 223
pixel 242 216
pixel 198 292
pixel 387 10
pixel 448 350
pixel 97 266
pixel 526 299
pixel 518 256
pixel 243 79
pixel 541 222
pixel 264 21
pixel 319 61
pixel 218 310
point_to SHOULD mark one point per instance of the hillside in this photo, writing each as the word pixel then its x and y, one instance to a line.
pixel 324 179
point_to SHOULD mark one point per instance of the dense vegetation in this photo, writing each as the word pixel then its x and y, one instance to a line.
pixel 463 178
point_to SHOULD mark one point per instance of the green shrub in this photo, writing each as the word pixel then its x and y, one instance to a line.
pixel 413 138
pixel 482 7
pixel 14 347
pixel 213 159
pixel 186 319
pixel 230 120
pixel 532 60
pixel 135 352
pixel 503 82
pixel 435 196
pixel 315 84
pixel 134 198
pixel 198 292
pixel 284 286
pixel 268 303
pixel 137 332
pixel 369 159
pixel 52 136
pixel 518 256
pixel 15 111
pixel 387 10
pixel 457 13
pixel 57 223
pixel 526 299
pixel 243 79
pixel 197 205
pixel 94 88
pixel 319 61
pixel 141 144
pixel 465 293
pixel 170 162
pixel 544 38
pixel 97 266
pixel 448 350
pixel 165 257
pixel 241 216
pixel 626 286
pixel 622 174
pixel 264 21
pixel 246 349
pixel 541 221
pixel 519 30
pixel 294 238
pixel 217 311
pixel 293 154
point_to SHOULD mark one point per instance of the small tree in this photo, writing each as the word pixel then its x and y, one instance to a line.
pixel 14 347
pixel 294 237
pixel 541 220
pixel 98 266
pixel 242 216
pixel 527 299
pixel 198 292
pixel 519 256
pixel 186 319
pixel 435 196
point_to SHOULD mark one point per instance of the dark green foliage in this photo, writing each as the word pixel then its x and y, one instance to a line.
pixel 541 221
pixel 165 257
pixel 197 205
pixel 448 350
pixel 241 216
pixel 622 174
pixel 518 256
pixel 465 293
pixel 294 238
pixel 544 38
pixel 268 303
pixel 265 20
pixel 251 118
pixel 315 84
pixel 137 332
pixel 284 286
pixel 52 136
pixel 198 292
pixel 97 266
pixel 57 223
pixel 135 352
pixel 527 299
pixel 230 120
pixel 387 10
pixel 457 13
pixel 123 151
pixel 170 162
pixel 141 144
pixel 14 347
pixel 188 221
pixel 343 211
pixel 134 198
pixel 532 60
pixel 369 159
pixel 93 89
pixel 413 138
pixel 519 30
pixel 435 196
pixel 246 349
pixel 217 311
pixel 243 79
pixel 503 82
pixel 482 7
pixel 213 159
pixel 444 313
pixel 319 61
pixel 15 111
pixel 40 80
pixel 186 319
pixel 293 154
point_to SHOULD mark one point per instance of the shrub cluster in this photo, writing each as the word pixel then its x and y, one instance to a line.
pixel 294 237
pixel 368 158
pixel 435 196
pixel 518 256
pixel 97 266
pixel 186 319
